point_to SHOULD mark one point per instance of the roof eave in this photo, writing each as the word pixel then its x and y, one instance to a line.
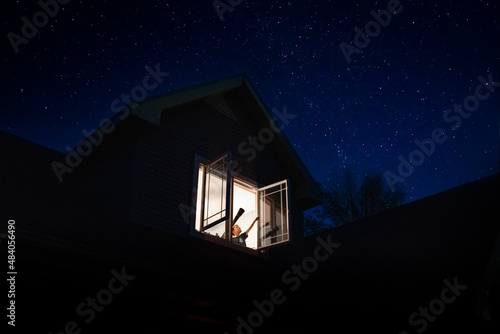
pixel 151 110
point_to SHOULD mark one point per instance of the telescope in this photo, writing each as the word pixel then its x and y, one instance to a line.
pixel 271 232
pixel 241 211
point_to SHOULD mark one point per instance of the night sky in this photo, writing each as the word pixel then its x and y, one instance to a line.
pixel 362 114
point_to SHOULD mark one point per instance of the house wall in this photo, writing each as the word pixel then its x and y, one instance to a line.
pixel 146 174
pixel 167 164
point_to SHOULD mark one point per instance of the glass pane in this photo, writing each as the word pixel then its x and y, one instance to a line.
pixel 218 230
pixel 273 209
pixel 215 191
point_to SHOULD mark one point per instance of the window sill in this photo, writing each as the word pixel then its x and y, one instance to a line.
pixel 219 241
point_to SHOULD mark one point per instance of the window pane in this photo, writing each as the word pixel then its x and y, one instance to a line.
pixel 218 230
pixel 215 191
pixel 273 209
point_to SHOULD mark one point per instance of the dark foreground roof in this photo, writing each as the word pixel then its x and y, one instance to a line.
pixel 69 247
pixel 391 264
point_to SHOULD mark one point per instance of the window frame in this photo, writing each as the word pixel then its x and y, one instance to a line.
pixel 227 209
pixel 285 201
pixel 231 177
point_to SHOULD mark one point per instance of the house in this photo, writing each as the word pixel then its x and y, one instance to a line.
pixel 137 237
pixel 190 160
pixel 158 188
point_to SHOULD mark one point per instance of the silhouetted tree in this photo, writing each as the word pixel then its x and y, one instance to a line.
pixel 347 202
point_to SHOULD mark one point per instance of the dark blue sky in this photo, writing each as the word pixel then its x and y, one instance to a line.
pixel 362 114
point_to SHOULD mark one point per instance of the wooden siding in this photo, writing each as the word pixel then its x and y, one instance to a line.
pixel 149 172
pixel 168 161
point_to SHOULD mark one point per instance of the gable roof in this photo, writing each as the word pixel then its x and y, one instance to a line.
pixel 153 109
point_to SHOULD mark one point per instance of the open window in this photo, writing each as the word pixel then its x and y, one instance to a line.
pixel 213 200
pixel 273 210
pixel 220 196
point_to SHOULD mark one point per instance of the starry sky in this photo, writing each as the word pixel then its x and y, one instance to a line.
pixel 362 114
